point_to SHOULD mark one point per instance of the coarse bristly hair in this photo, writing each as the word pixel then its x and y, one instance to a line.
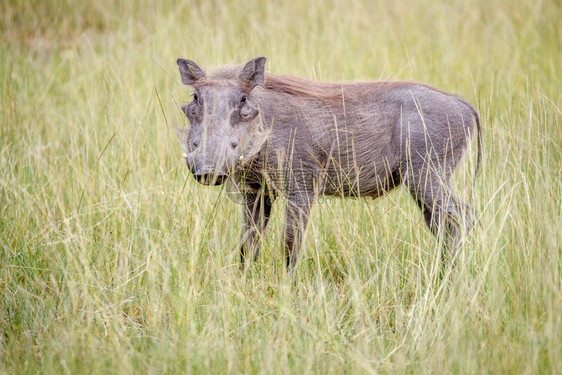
pixel 360 138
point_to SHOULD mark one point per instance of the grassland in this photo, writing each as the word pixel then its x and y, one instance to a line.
pixel 114 260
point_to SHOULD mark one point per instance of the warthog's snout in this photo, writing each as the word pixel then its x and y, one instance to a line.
pixel 206 175
pixel 210 178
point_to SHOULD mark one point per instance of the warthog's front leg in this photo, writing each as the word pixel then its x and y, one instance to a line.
pixel 298 210
pixel 257 209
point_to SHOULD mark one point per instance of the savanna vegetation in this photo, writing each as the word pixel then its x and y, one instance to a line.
pixel 114 260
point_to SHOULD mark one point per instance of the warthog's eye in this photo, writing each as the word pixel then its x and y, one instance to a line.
pixel 196 98
pixel 243 99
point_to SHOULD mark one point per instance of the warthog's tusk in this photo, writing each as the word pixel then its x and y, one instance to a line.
pixel 241 158
pixel 184 155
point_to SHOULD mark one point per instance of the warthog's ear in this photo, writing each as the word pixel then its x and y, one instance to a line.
pixel 190 72
pixel 254 72
pixel 183 135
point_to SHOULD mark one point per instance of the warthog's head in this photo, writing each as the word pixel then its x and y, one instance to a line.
pixel 224 127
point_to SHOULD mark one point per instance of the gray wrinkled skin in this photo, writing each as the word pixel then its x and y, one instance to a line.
pixel 276 136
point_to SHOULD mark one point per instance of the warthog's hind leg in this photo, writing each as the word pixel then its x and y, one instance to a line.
pixel 448 218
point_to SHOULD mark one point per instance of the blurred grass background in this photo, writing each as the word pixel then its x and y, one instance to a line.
pixel 114 260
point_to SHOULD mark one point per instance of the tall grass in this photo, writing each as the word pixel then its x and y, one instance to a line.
pixel 114 260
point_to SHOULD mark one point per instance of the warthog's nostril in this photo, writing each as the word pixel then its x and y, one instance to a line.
pixel 233 144
pixel 208 178
pixel 195 144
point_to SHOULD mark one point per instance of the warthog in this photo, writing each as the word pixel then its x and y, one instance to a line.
pixel 277 136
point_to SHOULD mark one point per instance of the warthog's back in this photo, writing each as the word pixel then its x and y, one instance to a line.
pixel 355 138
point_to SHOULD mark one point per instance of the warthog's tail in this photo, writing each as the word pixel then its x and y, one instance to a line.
pixel 476 117
pixel 479 135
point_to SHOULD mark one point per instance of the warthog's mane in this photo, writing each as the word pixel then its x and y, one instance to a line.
pixel 329 92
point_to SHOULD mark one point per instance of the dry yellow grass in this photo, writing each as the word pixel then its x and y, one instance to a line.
pixel 114 260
